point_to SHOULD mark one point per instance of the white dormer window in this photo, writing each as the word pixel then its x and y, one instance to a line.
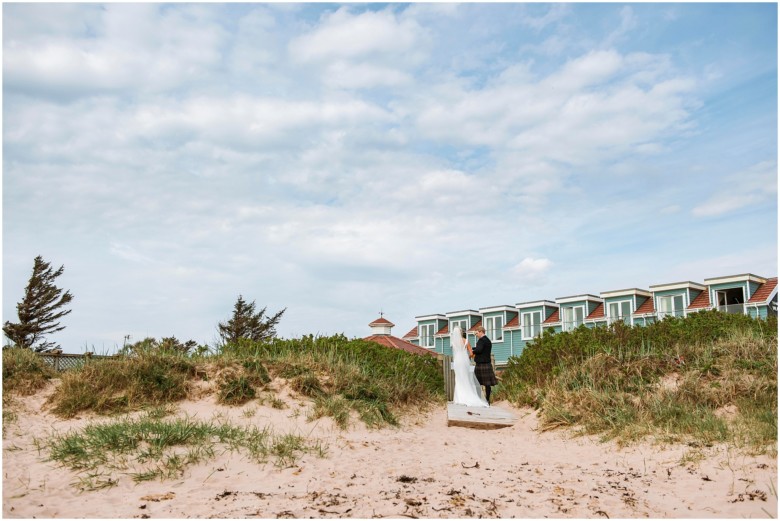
pixel 619 311
pixel 494 328
pixel 532 325
pixel 461 323
pixel 671 305
pixel 426 335
pixel 573 317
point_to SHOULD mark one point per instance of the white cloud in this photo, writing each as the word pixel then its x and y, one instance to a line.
pixel 555 14
pixel 530 268
pixel 108 131
pixel 40 20
pixel 527 276
pixel 753 186
pixel 590 69
pixel 346 35
pixel 432 10
pixel 725 203
pixel 364 50
pixel 139 46
pixel 552 46
pixel 364 75
pixel 322 237
pixel 127 252
pixel 593 107
pixel 628 22
pixel 449 191
pixel 257 48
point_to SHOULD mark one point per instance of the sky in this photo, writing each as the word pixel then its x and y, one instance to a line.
pixel 342 160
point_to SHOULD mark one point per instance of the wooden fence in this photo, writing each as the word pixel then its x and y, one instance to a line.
pixel 65 361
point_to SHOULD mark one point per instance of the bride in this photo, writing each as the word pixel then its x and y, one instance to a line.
pixel 467 388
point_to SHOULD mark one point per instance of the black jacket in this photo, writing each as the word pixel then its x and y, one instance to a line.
pixel 482 350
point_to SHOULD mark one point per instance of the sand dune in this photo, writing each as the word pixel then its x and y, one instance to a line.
pixel 422 469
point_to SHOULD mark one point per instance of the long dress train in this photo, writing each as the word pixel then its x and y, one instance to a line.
pixel 467 388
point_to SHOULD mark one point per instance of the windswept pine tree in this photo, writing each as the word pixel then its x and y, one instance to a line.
pixel 40 310
pixel 248 324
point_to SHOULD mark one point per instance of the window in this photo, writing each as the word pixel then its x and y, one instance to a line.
pixel 619 311
pixel 532 324
pixel 426 335
pixel 671 305
pixel 731 300
pixel 461 323
pixel 573 317
pixel 494 328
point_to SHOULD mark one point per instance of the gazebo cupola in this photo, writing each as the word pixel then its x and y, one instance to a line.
pixel 381 326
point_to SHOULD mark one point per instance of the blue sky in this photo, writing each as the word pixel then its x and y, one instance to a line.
pixel 339 159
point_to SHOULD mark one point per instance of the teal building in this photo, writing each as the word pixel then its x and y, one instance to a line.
pixel 511 328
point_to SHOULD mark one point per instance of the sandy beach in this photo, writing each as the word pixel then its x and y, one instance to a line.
pixel 423 469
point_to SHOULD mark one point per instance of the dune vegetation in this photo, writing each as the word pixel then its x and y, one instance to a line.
pixel 137 392
pixel 710 377
pixel 342 377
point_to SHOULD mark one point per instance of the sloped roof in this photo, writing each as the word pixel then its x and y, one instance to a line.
pixel 597 313
pixel 413 333
pixel 443 331
pixel 381 321
pixel 515 322
pixel 555 317
pixel 397 343
pixel 474 327
pixel 648 306
pixel 763 292
pixel 701 301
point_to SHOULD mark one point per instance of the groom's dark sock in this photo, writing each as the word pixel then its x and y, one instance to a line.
pixel 487 394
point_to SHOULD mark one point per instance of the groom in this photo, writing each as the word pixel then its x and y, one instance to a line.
pixel 484 369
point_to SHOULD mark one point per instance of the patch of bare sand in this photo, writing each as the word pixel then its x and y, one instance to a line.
pixel 422 469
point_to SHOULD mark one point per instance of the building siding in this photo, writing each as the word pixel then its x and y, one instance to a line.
pixel 513 343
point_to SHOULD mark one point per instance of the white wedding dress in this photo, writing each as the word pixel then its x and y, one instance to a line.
pixel 467 388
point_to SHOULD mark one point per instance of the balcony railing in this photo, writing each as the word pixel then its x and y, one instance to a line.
pixel 732 308
pixel 571 325
pixel 675 313
pixel 532 331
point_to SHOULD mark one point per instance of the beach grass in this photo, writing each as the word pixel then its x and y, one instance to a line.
pixel 24 372
pixel 351 376
pixel 346 379
pixel 710 377
pixel 124 384
pixel 149 448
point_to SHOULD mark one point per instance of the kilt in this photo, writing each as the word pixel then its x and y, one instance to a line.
pixel 485 374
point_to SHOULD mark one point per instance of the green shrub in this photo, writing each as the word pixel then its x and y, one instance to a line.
pixel 256 371
pixel 307 385
pixel 336 407
pixel 291 370
pixel 374 381
pixel 235 391
pixel 24 371
pixel 670 378
pixel 124 383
